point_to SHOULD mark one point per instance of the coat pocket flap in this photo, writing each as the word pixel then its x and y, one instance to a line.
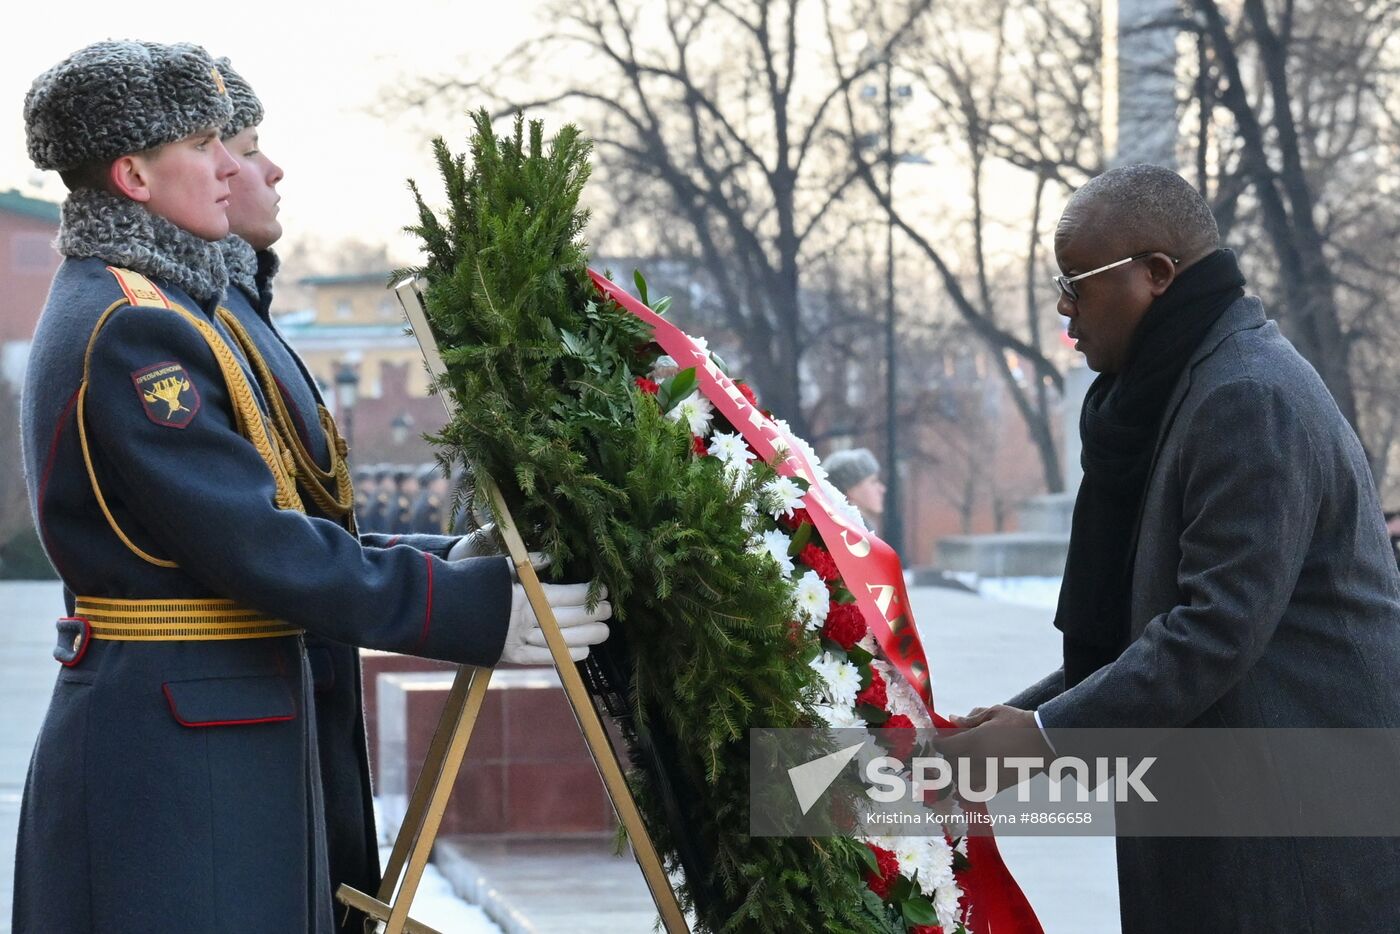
pixel 230 701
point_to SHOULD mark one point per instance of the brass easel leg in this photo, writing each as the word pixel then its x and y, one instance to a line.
pixel 437 802
pixel 599 746
pixel 414 843
pixel 409 292
pixel 427 779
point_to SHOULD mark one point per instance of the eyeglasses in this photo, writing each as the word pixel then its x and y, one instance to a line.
pixel 1066 283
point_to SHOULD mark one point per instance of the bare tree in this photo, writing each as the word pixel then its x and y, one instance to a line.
pixel 1015 86
pixel 1305 93
pixel 725 110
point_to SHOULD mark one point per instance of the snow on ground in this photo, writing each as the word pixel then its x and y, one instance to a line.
pixel 435 904
pixel 1041 592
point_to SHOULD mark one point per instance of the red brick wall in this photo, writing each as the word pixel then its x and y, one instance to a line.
pixel 27 264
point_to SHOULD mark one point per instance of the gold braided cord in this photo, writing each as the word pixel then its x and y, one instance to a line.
pixel 316 480
pixel 248 421
pixel 247 415
pixel 87 452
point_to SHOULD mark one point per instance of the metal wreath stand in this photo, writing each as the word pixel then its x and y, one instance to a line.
pixel 390 906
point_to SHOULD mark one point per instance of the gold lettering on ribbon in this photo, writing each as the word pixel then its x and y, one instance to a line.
pixel 884 596
pixel 860 547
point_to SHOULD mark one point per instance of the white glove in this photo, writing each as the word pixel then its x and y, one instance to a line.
pixel 478 544
pixel 580 626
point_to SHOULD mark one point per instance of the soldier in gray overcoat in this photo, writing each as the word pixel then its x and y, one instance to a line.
pixel 176 784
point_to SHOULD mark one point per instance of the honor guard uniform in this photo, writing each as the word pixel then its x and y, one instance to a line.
pixel 364 479
pixel 175 785
pixel 406 489
pixel 429 511
pixel 381 507
pixel 308 432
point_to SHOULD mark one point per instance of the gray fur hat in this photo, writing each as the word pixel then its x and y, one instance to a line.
pixel 247 109
pixel 114 98
pixel 847 468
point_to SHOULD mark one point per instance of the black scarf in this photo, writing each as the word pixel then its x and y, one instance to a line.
pixel 1119 423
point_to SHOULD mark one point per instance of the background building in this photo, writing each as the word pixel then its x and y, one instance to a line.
pixel 356 344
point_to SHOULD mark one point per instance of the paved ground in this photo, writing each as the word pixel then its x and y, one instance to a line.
pixel 26 679
pixel 981 652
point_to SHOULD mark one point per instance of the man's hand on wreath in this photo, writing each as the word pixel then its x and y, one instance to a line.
pixel 990 736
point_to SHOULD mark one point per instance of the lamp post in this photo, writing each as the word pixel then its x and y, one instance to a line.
pixel 400 426
pixel 347 391
pixel 892 522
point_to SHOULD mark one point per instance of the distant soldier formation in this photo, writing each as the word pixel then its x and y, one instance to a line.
pixel 403 499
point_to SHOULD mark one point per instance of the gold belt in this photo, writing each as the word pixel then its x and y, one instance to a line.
pixel 177 620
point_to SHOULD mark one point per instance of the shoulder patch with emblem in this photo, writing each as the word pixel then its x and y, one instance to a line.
pixel 167 394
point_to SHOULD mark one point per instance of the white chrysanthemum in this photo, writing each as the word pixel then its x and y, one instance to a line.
pixel 935 863
pixel 664 368
pixel 694 411
pixel 813 461
pixel 843 505
pixel 910 853
pixel 945 902
pixel 840 680
pixel 782 496
pixel 844 684
pixel 775 544
pixel 731 449
pixel 840 717
pixel 812 598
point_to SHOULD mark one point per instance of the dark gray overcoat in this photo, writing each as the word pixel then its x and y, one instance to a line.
pixel 177 787
pixel 1264 594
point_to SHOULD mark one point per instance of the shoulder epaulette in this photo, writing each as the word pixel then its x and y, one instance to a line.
pixel 139 290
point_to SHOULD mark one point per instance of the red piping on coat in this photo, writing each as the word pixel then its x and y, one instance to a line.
pixel 169 699
pixel 427 616
pixel 48 470
pixel 83 645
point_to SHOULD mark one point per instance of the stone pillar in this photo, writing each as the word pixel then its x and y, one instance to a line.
pixel 1140 119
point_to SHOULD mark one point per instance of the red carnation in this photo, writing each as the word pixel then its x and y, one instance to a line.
pixel 845 625
pixel 902 743
pixel 647 386
pixel 748 394
pixel 875 695
pixel 820 560
pixel 926 929
pixel 795 520
pixel 889 868
pixel 697 444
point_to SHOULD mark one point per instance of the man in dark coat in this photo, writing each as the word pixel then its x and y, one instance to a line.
pixel 176 784
pixel 1228 563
